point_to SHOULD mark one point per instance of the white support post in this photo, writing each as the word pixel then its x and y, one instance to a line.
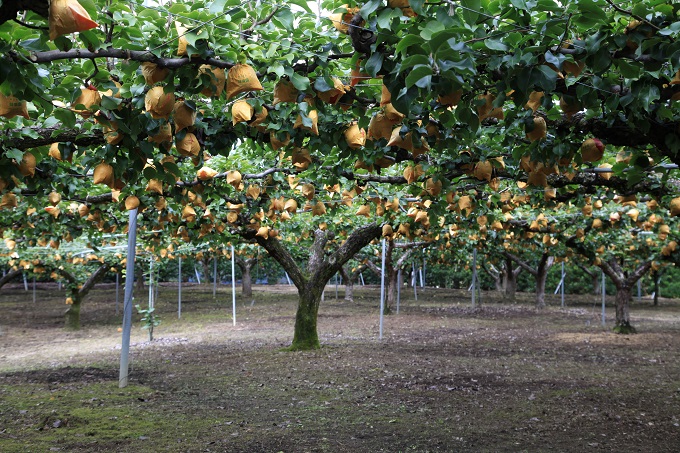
pixel 361 275
pixel 398 289
pixel 604 294
pixel 424 267
pixel 127 300
pixel 233 286
pixel 179 290
pixel 414 282
pixel 382 290
pixel 23 274
pixel 214 277
pixel 422 282
pixel 564 275
pixel 150 301
pixel 336 286
pixel 198 277
pixel 288 279
pixel 474 277
pixel 117 291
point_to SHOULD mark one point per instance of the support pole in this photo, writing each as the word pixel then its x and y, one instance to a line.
pixel 414 281
pixel 179 290
pixel 288 279
pixel 639 289
pixel 198 277
pixel 361 275
pixel 398 289
pixel 150 301
pixel 214 277
pixel 117 291
pixel 604 294
pixel 424 267
pixel 422 281
pixel 34 290
pixel 562 282
pixel 127 304
pixel 382 290
pixel 336 286
pixel 23 274
pixel 474 277
pixel 233 286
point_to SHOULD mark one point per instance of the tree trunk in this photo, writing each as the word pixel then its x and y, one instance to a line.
pixel 9 276
pixel 510 280
pixel 541 276
pixel 72 315
pixel 139 278
pixel 623 295
pixel 349 290
pixel 656 277
pixel 390 291
pixel 246 281
pixel 306 336
pixel 596 283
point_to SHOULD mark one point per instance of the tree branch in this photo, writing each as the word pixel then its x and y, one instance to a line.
pixel 521 263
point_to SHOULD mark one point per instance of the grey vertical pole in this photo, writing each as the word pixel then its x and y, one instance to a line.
pixel 424 267
pixel 150 282
pixel 422 281
pixel 117 291
pixel 179 290
pixel 361 274
pixel 198 277
pixel 398 289
pixel 23 274
pixel 382 290
pixel 34 290
pixel 214 276
pixel 233 286
pixel 336 286
pixel 639 288
pixel 562 285
pixel 288 278
pixel 127 300
pixel 474 277
pixel 604 294
pixel 414 281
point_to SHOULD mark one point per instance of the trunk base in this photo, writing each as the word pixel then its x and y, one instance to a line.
pixel 624 329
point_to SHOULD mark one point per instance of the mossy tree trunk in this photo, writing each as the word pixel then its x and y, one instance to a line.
pixel 595 280
pixel 324 261
pixel 510 275
pixel 625 282
pixel 540 273
pixel 78 292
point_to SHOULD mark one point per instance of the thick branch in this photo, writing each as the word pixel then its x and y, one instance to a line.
pixel 521 263
pixel 316 252
pixel 9 276
pixel 93 137
pixel 92 280
pixel 282 256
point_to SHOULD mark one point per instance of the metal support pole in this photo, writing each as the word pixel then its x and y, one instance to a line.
pixel 361 275
pixel 117 291
pixel 398 289
pixel 34 290
pixel 336 286
pixel 288 278
pixel 179 290
pixel 233 286
pixel 604 294
pixel 562 284
pixel 639 289
pixel 422 282
pixel 382 290
pixel 424 267
pixel 198 277
pixel 214 277
pixel 23 274
pixel 474 277
pixel 150 302
pixel 414 281
pixel 127 300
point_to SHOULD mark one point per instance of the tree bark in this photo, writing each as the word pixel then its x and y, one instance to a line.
pixel 510 275
pixel 349 283
pixel 246 266
pixel 9 276
pixel 72 314
pixel 540 273
pixel 139 278
pixel 310 283
pixel 624 282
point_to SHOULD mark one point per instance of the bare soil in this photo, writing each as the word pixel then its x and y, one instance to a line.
pixel 445 377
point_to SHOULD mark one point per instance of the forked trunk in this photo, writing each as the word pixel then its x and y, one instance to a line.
pixel 540 289
pixel 596 284
pixel 390 291
pixel 623 296
pixel 306 336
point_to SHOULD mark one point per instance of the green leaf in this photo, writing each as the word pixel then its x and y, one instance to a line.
pixel 414 60
pixel 299 82
pixel 67 117
pixel 494 44
pixel 421 76
pixel 15 154
pixel 285 18
pixel 217 6
pixel 629 70
pixel 408 41
pixel 369 7
pixel 374 63
pixel 431 28
pixel 110 103
pixel 471 9
pixel 519 4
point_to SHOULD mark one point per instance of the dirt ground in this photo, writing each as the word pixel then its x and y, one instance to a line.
pixel 446 377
